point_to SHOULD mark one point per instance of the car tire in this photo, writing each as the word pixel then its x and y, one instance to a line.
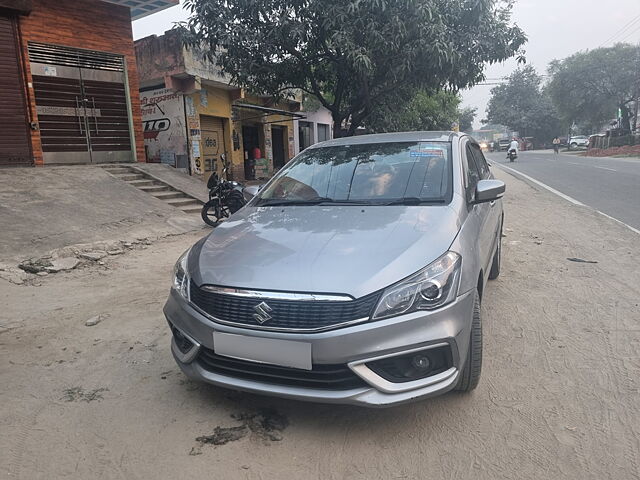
pixel 470 375
pixel 574 145
pixel 497 258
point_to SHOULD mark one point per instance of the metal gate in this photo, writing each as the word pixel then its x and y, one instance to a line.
pixel 15 142
pixel 82 105
pixel 213 144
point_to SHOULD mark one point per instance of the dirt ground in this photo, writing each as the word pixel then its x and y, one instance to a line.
pixel 558 396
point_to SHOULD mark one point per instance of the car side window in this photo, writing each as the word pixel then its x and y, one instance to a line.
pixel 473 175
pixel 481 162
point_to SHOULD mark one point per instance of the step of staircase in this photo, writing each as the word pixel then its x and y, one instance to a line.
pixel 118 170
pixel 183 202
pixel 170 194
pixel 142 183
pixel 127 177
pixel 194 210
pixel 153 189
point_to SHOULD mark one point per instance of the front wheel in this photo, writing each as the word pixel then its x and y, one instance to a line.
pixel 213 211
pixel 470 375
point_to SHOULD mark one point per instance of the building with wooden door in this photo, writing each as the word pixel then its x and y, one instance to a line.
pixel 194 118
pixel 69 87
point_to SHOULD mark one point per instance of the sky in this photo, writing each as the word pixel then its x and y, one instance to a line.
pixel 555 29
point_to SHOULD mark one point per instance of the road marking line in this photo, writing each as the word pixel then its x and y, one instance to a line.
pixel 516 173
pixel 574 163
pixel 605 168
pixel 547 187
pixel 620 222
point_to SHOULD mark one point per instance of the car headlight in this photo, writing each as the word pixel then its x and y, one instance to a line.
pixel 180 275
pixel 432 287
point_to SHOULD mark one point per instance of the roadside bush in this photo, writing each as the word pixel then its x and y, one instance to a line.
pixel 624 140
pixel 623 151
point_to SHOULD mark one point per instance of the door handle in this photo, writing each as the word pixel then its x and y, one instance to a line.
pixel 492 203
pixel 95 115
pixel 78 112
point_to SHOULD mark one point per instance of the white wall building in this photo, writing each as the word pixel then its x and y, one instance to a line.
pixel 317 127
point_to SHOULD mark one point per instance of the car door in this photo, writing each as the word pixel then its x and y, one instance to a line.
pixel 478 213
pixel 492 211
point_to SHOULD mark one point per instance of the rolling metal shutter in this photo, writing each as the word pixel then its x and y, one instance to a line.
pixel 15 142
pixel 81 100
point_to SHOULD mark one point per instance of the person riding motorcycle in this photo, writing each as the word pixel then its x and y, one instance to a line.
pixel 513 146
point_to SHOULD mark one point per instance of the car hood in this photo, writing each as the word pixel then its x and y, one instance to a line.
pixel 339 249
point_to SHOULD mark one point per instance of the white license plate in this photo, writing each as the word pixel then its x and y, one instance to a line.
pixel 285 353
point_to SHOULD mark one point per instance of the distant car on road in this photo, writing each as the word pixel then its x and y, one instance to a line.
pixel 579 141
pixel 354 276
pixel 503 144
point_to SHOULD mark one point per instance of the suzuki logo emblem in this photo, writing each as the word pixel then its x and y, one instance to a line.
pixel 262 313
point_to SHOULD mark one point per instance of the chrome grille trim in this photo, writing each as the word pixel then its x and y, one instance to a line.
pixel 271 295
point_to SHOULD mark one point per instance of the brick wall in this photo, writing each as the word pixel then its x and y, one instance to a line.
pixel 88 24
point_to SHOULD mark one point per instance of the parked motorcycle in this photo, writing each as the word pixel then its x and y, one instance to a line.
pixel 512 155
pixel 225 198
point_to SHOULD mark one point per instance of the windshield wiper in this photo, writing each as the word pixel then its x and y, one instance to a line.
pixel 416 201
pixel 279 202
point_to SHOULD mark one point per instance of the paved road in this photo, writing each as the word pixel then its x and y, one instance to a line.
pixel 611 185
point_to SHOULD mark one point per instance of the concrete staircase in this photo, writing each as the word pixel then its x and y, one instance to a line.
pixel 156 188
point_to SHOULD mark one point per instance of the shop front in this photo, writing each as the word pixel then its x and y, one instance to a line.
pixel 208 118
pixel 268 140
pixel 69 86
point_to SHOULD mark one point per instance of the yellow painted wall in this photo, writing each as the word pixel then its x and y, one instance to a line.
pixel 215 102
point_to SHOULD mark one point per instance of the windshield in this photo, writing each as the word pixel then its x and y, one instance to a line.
pixel 381 173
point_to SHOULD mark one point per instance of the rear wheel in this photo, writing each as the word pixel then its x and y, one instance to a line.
pixel 470 375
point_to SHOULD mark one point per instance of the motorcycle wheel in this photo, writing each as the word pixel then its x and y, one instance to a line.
pixel 212 212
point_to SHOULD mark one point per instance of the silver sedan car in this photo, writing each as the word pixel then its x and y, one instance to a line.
pixel 355 275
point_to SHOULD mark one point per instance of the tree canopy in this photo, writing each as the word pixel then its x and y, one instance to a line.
pixel 466 116
pixel 437 111
pixel 589 87
pixel 353 55
pixel 524 105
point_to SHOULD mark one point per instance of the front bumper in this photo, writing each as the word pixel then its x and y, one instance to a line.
pixel 353 346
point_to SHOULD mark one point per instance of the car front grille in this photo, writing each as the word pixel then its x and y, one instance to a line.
pixel 285 315
pixel 324 377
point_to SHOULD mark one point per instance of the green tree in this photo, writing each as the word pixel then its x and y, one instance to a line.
pixel 524 106
pixel 465 118
pixel 589 87
pixel 353 55
pixel 423 112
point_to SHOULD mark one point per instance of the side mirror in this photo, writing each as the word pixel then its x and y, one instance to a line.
pixel 489 190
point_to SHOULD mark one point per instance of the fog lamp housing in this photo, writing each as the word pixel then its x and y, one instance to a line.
pixel 413 366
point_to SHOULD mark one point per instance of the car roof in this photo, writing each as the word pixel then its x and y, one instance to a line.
pixel 391 137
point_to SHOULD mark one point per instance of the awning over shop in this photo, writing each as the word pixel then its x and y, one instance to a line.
pixel 266 112
pixel 142 8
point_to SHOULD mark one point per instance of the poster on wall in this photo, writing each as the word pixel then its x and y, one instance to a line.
pixel 163 120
